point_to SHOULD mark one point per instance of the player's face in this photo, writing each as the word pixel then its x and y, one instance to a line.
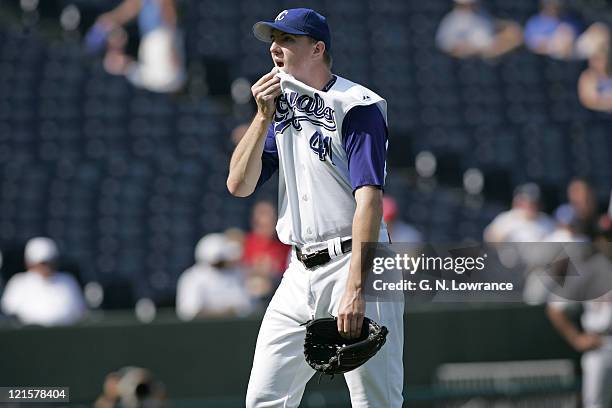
pixel 292 53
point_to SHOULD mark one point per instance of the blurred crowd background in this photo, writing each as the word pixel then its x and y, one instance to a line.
pixel 118 118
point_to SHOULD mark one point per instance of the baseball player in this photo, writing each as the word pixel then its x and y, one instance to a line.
pixel 588 285
pixel 327 138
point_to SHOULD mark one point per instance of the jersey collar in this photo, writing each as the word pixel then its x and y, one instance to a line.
pixel 331 83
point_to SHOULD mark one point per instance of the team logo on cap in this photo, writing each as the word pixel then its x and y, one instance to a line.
pixel 281 15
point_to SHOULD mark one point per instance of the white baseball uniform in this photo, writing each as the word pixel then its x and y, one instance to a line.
pixel 319 169
pixel 596 318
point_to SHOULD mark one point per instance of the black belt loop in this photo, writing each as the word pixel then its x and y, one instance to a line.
pixel 320 257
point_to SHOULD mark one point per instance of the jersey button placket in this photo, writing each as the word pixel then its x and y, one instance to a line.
pixel 308 204
pixel 306 196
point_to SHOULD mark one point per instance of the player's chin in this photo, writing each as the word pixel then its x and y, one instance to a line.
pixel 287 69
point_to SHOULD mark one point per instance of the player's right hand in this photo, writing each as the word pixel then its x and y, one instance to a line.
pixel 586 342
pixel 265 91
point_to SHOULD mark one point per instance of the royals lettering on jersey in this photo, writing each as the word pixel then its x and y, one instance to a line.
pixel 292 108
pixel 316 201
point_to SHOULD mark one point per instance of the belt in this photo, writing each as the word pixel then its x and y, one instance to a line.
pixel 320 257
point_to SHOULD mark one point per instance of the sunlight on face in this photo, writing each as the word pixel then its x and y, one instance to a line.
pixel 291 52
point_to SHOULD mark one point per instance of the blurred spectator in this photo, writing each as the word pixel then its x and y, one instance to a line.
pixel 553 31
pixel 131 387
pixel 398 230
pixel 593 39
pixel 582 199
pixel 548 262
pixel 595 82
pixel 236 237
pixel 110 392
pixel 591 289
pixel 160 64
pixel 469 31
pixel 604 224
pixel 41 295
pixel 569 227
pixel 1 280
pixel 238 133
pixel 523 222
pixel 214 286
pixel 264 255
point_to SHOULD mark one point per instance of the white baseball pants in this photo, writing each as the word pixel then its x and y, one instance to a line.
pixel 280 373
pixel 597 376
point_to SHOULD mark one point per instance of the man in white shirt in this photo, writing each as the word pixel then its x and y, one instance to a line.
pixel 523 222
pixel 160 66
pixel 468 31
pixel 41 295
pixel 567 230
pixel 214 286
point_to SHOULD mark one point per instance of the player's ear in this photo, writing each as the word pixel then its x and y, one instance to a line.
pixel 318 49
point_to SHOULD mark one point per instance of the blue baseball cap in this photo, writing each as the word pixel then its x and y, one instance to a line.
pixel 298 21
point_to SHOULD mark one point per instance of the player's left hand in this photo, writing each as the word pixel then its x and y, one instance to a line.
pixel 351 313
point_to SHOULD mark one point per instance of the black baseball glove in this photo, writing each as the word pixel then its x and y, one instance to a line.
pixel 329 353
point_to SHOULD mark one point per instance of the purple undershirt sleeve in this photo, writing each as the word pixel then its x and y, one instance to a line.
pixel 269 158
pixel 364 137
